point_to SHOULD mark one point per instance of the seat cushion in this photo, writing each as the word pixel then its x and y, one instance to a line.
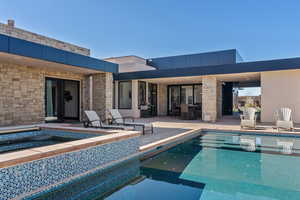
pixel 248 123
pixel 284 124
pixel 139 124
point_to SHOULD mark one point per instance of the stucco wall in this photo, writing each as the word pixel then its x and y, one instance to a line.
pixel 280 89
pixel 130 63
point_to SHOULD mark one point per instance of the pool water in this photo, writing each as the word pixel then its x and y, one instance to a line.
pixel 220 166
pixel 31 139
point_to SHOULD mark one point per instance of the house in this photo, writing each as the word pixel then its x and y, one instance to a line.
pixel 206 82
pixel 46 79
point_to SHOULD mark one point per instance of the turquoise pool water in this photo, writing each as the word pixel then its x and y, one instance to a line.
pixel 220 166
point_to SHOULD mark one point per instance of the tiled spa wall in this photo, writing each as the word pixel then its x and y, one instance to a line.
pixel 94 185
pixel 26 179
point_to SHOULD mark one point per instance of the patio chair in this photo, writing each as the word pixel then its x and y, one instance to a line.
pixel 248 144
pixel 119 120
pixel 94 121
pixel 248 118
pixel 284 119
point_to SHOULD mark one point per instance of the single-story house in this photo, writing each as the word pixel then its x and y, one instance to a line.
pixel 44 79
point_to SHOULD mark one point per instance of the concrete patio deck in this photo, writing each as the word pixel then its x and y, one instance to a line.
pixel 168 128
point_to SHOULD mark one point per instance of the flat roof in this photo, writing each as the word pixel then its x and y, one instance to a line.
pixel 243 67
pixel 26 48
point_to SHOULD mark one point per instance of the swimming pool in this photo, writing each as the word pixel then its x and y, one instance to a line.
pixel 221 166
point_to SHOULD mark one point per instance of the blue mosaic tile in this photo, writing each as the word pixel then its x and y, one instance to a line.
pixel 31 176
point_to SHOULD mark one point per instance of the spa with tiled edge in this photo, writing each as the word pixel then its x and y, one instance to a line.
pixel 59 157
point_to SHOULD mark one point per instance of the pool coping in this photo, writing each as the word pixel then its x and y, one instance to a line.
pixel 19 157
pixel 16 130
pixel 166 143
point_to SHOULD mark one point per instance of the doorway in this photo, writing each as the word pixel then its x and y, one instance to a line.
pixel 227 103
pixel 62 99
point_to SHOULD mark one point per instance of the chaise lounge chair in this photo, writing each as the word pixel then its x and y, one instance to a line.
pixel 119 120
pixel 94 121
pixel 248 118
pixel 284 119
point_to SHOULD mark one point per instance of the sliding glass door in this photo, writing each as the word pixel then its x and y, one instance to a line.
pixel 62 99
pixel 174 100
pixel 184 94
pixel 71 99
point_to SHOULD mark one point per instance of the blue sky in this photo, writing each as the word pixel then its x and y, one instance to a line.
pixel 150 28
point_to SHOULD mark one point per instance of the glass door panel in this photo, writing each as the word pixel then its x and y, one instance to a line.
pixel 187 94
pixel 51 97
pixel 62 99
pixel 71 99
pixel 174 100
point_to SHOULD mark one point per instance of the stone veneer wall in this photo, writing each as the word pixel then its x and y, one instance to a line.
pixel 12 31
pixel 22 92
pixel 162 99
pixel 219 99
pixel 102 93
pixel 209 98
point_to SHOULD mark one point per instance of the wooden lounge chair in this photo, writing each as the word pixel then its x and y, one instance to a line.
pixel 94 121
pixel 248 118
pixel 284 119
pixel 119 120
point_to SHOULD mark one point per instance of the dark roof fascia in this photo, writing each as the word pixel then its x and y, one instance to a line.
pixel 26 48
pixel 244 67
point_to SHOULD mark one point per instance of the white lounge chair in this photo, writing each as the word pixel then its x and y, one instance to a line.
pixel 248 118
pixel 94 121
pixel 284 119
pixel 119 120
pixel 287 146
pixel 248 144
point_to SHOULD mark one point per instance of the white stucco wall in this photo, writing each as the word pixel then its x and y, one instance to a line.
pixel 130 63
pixel 280 89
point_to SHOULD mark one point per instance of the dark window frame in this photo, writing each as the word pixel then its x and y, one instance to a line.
pixel 60 111
pixel 139 93
pixel 119 99
pixel 180 85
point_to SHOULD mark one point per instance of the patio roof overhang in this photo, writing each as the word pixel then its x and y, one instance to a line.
pixel 244 67
pixel 30 53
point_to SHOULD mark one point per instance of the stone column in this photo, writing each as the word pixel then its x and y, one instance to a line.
pixel 116 94
pixel 134 98
pixel 209 99
pixel 102 93
pixel 162 99
pixel 108 93
pixel 219 99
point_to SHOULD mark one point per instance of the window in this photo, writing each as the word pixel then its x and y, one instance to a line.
pixel 142 93
pixel 114 95
pixel 197 94
pixel 125 93
pixel 187 94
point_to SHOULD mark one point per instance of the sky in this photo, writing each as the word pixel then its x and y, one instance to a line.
pixel 258 29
